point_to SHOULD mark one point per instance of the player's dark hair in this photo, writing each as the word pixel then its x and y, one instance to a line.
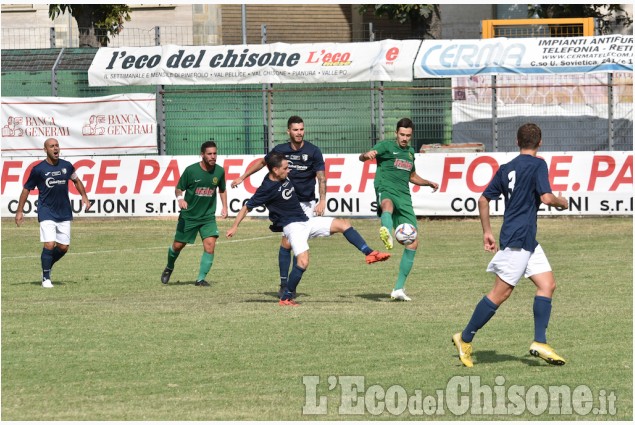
pixel 529 136
pixel 294 120
pixel 405 123
pixel 208 144
pixel 274 160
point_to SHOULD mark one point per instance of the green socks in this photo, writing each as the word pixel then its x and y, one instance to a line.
pixel 386 220
pixel 206 264
pixel 407 260
pixel 172 256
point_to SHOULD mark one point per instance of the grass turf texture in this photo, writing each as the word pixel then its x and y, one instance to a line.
pixel 110 342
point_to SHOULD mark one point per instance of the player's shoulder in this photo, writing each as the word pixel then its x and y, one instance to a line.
pixel 385 144
pixel 40 165
pixel 281 148
pixel 65 164
pixel 310 145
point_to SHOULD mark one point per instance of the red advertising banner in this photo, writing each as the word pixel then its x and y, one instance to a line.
pixel 596 183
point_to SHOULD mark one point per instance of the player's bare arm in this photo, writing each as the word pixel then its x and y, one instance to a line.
pixel 420 181
pixel 554 201
pixel 223 201
pixel 489 242
pixel 321 205
pixel 180 199
pixel 82 191
pixel 251 170
pixel 239 218
pixel 19 214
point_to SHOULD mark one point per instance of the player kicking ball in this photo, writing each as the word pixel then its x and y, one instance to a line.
pixel 278 195
pixel 524 183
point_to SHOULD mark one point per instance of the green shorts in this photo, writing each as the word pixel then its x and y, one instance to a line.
pixel 187 233
pixel 402 211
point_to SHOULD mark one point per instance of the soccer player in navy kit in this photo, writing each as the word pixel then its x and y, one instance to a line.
pixel 524 183
pixel 278 194
pixel 306 164
pixel 54 212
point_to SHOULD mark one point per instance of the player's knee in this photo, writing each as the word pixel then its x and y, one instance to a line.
pixel 340 225
pixel 303 263
pixel 63 248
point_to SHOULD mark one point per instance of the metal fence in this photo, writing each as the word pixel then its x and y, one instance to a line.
pixel 576 112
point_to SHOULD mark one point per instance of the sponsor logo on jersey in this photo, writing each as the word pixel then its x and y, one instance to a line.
pixel 50 182
pixel 287 193
pixel 401 164
pixel 205 191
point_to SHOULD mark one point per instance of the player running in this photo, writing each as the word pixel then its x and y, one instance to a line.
pixel 395 172
pixel 524 183
pixel 277 193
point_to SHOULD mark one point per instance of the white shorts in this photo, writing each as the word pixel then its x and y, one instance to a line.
pixel 511 264
pixel 308 207
pixel 50 231
pixel 300 232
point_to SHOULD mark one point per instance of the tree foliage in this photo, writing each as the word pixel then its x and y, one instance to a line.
pixel 96 22
pixel 604 13
pixel 424 19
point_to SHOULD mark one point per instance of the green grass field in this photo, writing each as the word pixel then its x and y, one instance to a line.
pixel 110 342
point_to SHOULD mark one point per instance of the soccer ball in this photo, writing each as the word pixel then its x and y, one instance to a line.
pixel 405 233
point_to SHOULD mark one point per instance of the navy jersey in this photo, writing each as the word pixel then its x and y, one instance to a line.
pixel 52 182
pixel 521 181
pixel 303 165
pixel 281 200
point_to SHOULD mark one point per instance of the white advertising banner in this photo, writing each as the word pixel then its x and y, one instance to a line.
pixel 386 60
pixel 109 125
pixel 599 183
pixel 563 55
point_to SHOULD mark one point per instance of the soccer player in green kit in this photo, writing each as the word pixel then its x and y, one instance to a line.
pixel 395 171
pixel 200 182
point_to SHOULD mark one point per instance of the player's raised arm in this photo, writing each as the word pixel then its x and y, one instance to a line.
pixel 368 155
pixel 257 166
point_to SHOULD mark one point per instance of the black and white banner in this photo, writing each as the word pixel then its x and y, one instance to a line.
pixel 386 60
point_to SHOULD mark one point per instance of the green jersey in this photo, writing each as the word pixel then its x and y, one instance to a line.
pixel 200 188
pixel 394 166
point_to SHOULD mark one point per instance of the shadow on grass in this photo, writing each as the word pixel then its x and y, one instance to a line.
pixel 382 297
pixel 39 283
pixel 186 283
pixel 491 356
